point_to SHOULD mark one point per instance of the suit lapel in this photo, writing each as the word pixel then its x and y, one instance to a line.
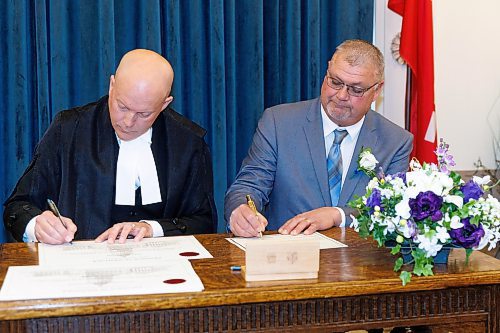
pixel 367 139
pixel 313 130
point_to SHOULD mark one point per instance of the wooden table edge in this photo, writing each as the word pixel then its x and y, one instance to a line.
pixel 15 310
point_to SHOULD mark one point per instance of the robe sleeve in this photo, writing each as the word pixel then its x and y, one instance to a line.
pixel 38 183
pixel 197 213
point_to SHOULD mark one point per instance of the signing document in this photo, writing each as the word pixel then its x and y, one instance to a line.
pixel 154 250
pixel 324 241
pixel 88 269
pixel 39 282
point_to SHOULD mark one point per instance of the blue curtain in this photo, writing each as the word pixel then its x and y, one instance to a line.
pixel 231 60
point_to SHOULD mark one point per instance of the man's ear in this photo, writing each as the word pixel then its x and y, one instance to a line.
pixel 168 100
pixel 378 90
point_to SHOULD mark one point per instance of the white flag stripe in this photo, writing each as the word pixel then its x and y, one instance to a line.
pixel 430 134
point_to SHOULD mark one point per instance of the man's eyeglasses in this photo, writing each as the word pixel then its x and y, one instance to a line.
pixel 351 90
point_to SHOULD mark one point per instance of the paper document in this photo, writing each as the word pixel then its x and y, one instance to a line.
pixel 154 250
pixel 38 282
pixel 324 241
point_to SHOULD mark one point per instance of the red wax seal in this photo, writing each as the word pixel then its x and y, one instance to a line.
pixel 174 281
pixel 189 254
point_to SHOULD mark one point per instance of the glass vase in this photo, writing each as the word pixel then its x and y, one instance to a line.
pixel 440 258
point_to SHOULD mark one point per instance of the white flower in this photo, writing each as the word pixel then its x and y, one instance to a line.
pixel 420 181
pixel 423 180
pixel 386 193
pixel 414 165
pixel 454 199
pixel 405 228
pixel 367 161
pixel 403 208
pixel 373 183
pixel 433 167
pixel 445 181
pixel 442 234
pixel 414 177
pixel 481 180
pixel 456 222
pixel 429 245
pixel 494 239
pixel 398 185
pixel 391 225
pixel 354 223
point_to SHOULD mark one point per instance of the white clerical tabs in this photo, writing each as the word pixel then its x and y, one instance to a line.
pixel 274 259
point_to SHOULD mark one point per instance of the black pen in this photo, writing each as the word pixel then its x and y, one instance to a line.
pixel 55 210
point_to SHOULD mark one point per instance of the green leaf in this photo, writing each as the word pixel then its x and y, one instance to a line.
pixel 475 220
pixel 363 230
pixel 456 177
pixel 378 234
pixel 395 249
pixel 464 212
pixel 405 277
pixel 355 203
pixel 427 269
pixel 430 234
pixel 418 269
pixel 397 264
pixel 420 261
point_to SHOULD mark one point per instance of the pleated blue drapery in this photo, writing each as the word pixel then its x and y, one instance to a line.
pixel 231 60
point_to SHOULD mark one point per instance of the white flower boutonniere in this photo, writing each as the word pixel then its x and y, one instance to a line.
pixel 367 162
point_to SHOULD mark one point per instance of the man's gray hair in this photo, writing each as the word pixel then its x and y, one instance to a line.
pixel 357 52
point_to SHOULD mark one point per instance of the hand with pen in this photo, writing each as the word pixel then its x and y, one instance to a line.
pixel 52 228
pixel 246 221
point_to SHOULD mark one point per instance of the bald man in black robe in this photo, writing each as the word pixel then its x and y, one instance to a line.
pixel 165 185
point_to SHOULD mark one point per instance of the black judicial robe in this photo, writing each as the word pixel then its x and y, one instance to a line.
pixel 75 165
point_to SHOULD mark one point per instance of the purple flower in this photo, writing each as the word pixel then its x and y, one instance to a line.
pixel 444 169
pixel 448 159
pixel 468 236
pixel 375 199
pixel 444 159
pixel 412 229
pixel 401 175
pixel 471 190
pixel 426 204
pixel 442 154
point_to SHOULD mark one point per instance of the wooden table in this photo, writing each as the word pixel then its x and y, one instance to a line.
pixel 356 289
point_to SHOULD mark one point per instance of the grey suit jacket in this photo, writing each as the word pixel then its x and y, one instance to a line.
pixel 285 171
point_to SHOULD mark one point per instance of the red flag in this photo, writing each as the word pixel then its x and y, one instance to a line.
pixel 416 49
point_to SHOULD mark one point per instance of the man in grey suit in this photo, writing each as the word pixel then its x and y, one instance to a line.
pixel 301 170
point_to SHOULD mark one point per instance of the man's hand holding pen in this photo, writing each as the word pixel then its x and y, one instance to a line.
pixel 244 222
pixel 51 229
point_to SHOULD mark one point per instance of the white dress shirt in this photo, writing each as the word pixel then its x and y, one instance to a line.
pixel 136 167
pixel 346 147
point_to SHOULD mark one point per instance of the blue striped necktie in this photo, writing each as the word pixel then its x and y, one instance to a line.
pixel 334 166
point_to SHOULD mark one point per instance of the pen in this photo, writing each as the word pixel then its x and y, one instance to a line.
pixel 252 206
pixel 54 210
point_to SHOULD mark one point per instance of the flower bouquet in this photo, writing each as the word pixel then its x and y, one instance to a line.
pixel 425 208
